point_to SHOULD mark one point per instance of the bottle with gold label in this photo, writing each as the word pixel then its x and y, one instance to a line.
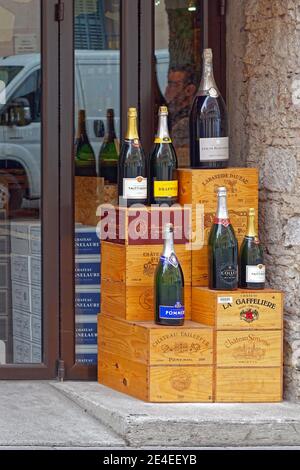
pixel 132 169
pixel 252 269
pixel 163 165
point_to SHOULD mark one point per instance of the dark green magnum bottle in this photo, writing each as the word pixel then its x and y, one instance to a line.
pixel 169 284
pixel 163 165
pixel 252 271
pixel 223 249
pixel 85 161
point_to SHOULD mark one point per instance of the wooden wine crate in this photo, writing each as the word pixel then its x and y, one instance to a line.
pixel 246 385
pixel 262 348
pixel 89 194
pixel 134 302
pixel 156 363
pixel 200 187
pixel 238 310
pixel 135 265
pixel 144 225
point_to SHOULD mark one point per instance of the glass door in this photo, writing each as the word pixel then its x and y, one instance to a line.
pixel 29 201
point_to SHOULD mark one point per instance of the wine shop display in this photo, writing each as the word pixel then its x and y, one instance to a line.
pixel 223 249
pixel 252 272
pixel 85 161
pixel 209 147
pixel 132 169
pixel 109 152
pixel 163 164
pixel 169 284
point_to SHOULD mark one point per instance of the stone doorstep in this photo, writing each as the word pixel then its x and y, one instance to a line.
pixel 143 424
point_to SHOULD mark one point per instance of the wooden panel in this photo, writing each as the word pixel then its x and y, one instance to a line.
pixel 238 310
pixel 249 348
pixel 181 384
pixel 113 262
pixel 134 303
pixel 141 263
pixel 249 385
pixel 89 194
pixel 123 375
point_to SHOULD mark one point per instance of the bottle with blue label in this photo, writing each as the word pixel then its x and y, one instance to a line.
pixel 169 284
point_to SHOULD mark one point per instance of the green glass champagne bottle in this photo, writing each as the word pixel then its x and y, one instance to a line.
pixel 163 165
pixel 252 270
pixel 85 161
pixel 223 249
pixel 169 284
pixel 132 169
pixel 109 152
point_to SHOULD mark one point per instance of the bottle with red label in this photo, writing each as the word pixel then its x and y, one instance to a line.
pixel 223 249
pixel 132 170
pixel 252 271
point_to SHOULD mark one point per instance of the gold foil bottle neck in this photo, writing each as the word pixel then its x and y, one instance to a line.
pixel 251 231
pixel 163 111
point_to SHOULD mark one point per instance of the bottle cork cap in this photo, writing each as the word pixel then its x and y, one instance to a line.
pixel 222 191
pixel 163 110
pixel 169 228
pixel 132 112
pixel 251 211
pixel 207 54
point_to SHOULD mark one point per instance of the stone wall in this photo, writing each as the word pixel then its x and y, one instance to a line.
pixel 263 53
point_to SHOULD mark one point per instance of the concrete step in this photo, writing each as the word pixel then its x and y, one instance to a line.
pixel 142 424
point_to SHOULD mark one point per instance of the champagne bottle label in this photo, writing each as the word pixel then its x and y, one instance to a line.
pixel 165 188
pixel 228 273
pixel 224 222
pixel 133 142
pixel 214 149
pixel 171 312
pixel 164 140
pixel 172 260
pixel 256 273
pixel 135 188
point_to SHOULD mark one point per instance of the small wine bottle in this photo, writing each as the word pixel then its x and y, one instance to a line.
pixel 252 270
pixel 132 169
pixel 85 162
pixel 223 249
pixel 163 165
pixel 169 284
pixel 109 152
pixel 208 122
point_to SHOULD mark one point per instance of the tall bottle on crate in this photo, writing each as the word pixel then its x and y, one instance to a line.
pixel 132 169
pixel 208 122
pixel 85 161
pixel 109 152
pixel 163 164
pixel 252 271
pixel 222 249
pixel 169 284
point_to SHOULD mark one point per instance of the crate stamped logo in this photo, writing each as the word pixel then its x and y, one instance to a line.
pixel 180 380
pixel 248 315
pixel 181 346
pixel 249 352
pixel 146 299
pixel 248 340
pixel 150 265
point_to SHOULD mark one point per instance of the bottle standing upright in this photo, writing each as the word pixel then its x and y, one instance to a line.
pixel 252 270
pixel 85 161
pixel 163 183
pixel 208 122
pixel 169 284
pixel 109 152
pixel 132 169
pixel 222 249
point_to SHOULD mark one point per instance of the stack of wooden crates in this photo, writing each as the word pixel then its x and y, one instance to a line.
pixel 230 347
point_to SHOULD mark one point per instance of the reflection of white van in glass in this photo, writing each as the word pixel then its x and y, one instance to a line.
pixel 97 88
pixel 97 84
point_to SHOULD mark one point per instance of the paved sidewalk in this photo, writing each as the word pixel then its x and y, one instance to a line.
pixel 88 415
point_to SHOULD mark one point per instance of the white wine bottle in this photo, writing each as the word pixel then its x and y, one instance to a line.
pixel 169 284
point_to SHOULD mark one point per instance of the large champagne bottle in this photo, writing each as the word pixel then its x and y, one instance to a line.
pixel 132 175
pixel 163 165
pixel 208 122
pixel 85 162
pixel 223 249
pixel 251 269
pixel 169 284
pixel 109 152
